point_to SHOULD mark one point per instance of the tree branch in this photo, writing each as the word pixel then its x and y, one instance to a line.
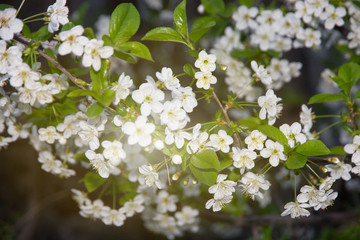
pixel 26 41
pixel 224 111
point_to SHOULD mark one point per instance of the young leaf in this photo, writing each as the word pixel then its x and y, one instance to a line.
pixel 213 6
pixel 99 80
pixel 163 34
pixel 188 69
pixel 197 32
pixel 206 176
pixel 137 49
pixel 225 163
pixel 93 181
pixel 313 148
pixel 107 97
pixel 273 132
pixel 180 21
pixel 81 92
pixel 348 75
pixel 338 150
pixel 296 161
pixel 325 97
pixel 124 22
pixel 206 159
pixel 124 56
pixel 95 110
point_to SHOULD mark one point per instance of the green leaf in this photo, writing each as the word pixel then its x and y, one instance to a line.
pixel 313 148
pixel 78 71
pixel 107 97
pixel 124 56
pixel 273 132
pixel 357 94
pixel 198 31
pixel 124 22
pixel 348 75
pixel 81 92
pixel 67 107
pixel 189 70
pixel 137 49
pixel 67 26
pixel 5 6
pixel 338 150
pixel 213 6
pixel 163 34
pixel 26 31
pixel 93 181
pixel 108 41
pixel 248 3
pixel 296 161
pixel 99 78
pixel 42 34
pixel 180 21
pixel 325 97
pixel 234 175
pixel 89 32
pixel 246 53
pixel 225 163
pixel 206 159
pixel 206 176
pixel 250 122
pixel 94 110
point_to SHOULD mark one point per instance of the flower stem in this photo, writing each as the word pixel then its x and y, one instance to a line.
pixel 328 127
pixel 312 170
pixel 36 15
pixel 22 3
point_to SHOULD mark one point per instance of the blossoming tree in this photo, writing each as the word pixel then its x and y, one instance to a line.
pixel 140 141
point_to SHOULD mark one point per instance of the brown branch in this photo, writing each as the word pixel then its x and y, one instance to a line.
pixel 224 111
pixel 26 41
pixel 338 217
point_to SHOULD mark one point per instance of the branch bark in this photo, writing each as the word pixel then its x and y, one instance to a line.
pixel 26 41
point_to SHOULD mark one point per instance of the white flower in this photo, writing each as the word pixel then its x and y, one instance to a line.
pixel 94 51
pixel 176 159
pixel 187 98
pixel 311 195
pixel 122 88
pixel 9 24
pixel 166 202
pixel 354 149
pixel 186 216
pixel 261 73
pixel 139 131
pixel 166 76
pixel 149 97
pixel 9 57
pixel 93 209
pixel 173 115
pixel 89 134
pixel 263 38
pixel 310 36
pixel 222 188
pixel 206 62
pixel 198 141
pixel 244 17
pixel 333 16
pixel 113 216
pixel 330 197
pixel 23 74
pixel 72 41
pixel 135 205
pixel 204 79
pixel 255 140
pixel 296 210
pixel 113 151
pixel 69 127
pixel 98 162
pixel 339 170
pixel 243 158
pixel 306 118
pixel 268 104
pixel 274 151
pixel 149 176
pixel 252 183
pixel 48 134
pixel 221 141
pixel 293 133
pixel 218 204
pixel 58 15
pixel 177 136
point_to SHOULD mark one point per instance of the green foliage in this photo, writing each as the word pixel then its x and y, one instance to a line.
pixel 124 22
pixel 213 6
pixel 99 78
pixel 93 181
pixel 348 75
pixel 273 132
pixel 5 6
pixel 180 20
pixel 189 70
pixel 206 159
pixel 163 34
pixel 95 110
pixel 206 176
pixel 313 148
pixel 325 97
pixel 338 150
pixel 137 49
pixel 296 161
pixel 200 27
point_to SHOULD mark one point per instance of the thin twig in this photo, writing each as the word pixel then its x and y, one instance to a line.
pixel 27 41
pixel 224 111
